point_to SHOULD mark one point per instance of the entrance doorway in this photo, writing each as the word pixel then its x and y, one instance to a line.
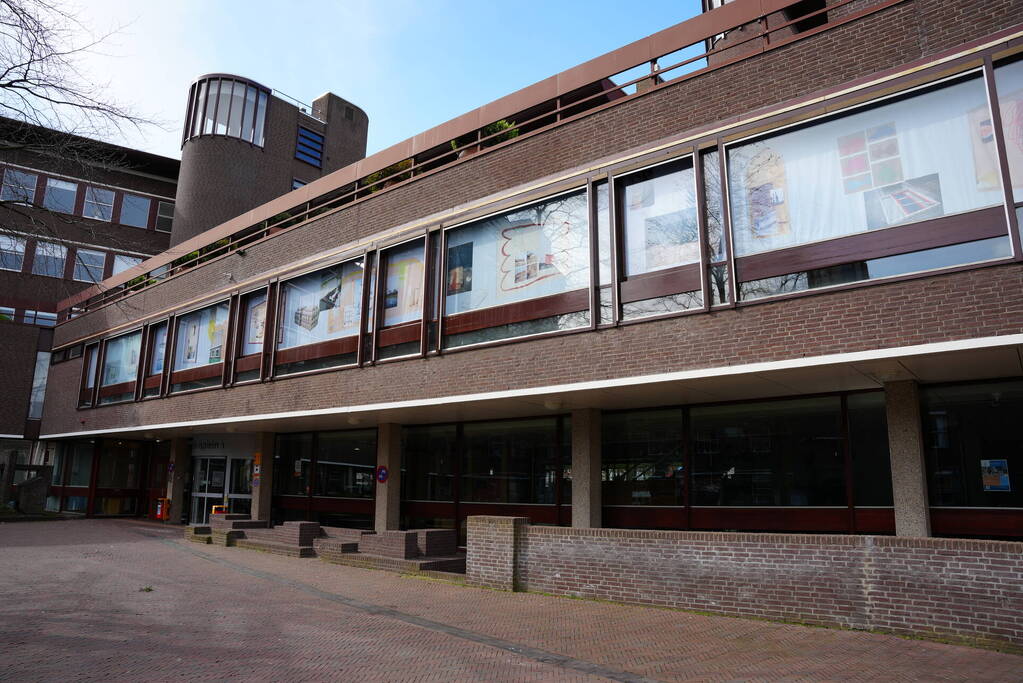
pixel 220 481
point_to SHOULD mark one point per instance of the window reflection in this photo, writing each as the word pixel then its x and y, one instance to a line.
pixel 227 106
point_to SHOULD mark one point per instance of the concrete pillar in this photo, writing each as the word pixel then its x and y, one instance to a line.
pixel 586 447
pixel 263 475
pixel 906 445
pixel 388 494
pixel 179 468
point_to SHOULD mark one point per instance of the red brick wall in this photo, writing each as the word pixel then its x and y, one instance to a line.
pixel 933 587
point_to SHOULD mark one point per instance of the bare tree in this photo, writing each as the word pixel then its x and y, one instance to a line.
pixel 50 108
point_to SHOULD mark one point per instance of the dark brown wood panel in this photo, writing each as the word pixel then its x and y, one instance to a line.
pixel 875 520
pixel 641 517
pixel 195 374
pixel 534 309
pixel 939 232
pixel 116 389
pixel 772 519
pixel 331 347
pixel 977 522
pixel 399 334
pixel 152 382
pixel 537 514
pixel 250 362
pixel 661 283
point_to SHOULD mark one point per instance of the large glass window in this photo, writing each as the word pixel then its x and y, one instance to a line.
pixel 768 453
pixel 79 463
pixel 428 463
pixel 60 195
pixel 135 210
pixel 317 308
pixel 253 324
pixel 642 461
pixel 119 464
pixel 510 462
pixel 157 353
pixel 293 459
pixel 868 445
pixel 89 265
pixel 18 186
pixel 1009 80
pixel 345 464
pixel 49 259
pixel 164 216
pixel 120 365
pixel 12 253
pixel 659 217
pixel 403 296
pixel 199 342
pixel 974 444
pixel 89 376
pixel 914 158
pixel 309 147
pixel 99 203
pixel 540 251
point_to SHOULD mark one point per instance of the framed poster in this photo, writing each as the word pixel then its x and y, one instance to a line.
pixel 257 323
pixel 994 475
pixel 192 342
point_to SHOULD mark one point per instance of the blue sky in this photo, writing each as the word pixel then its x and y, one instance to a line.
pixel 410 64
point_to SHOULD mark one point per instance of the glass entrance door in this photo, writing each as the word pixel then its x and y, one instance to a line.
pixel 220 481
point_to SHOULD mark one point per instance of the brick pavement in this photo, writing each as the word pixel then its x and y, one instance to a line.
pixel 70 607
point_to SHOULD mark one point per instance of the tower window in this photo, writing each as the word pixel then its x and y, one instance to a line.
pixel 309 147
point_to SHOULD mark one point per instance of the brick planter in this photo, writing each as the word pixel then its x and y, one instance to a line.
pixel 922 586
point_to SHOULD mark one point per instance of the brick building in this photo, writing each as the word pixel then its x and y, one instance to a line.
pixel 760 271
pixel 77 211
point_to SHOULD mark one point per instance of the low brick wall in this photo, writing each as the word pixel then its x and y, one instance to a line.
pixel 924 586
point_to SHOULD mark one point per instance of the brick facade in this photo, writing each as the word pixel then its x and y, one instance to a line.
pixel 965 589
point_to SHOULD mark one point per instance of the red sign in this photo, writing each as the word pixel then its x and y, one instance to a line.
pixel 382 474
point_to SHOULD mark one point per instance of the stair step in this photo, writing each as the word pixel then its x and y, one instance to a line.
pixel 454 564
pixel 335 545
pixel 276 548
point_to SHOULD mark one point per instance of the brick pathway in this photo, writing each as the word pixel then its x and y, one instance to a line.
pixel 71 608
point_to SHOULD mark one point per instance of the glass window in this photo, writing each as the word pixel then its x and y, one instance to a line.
pixel 713 211
pixel 18 186
pixel 60 195
pixel 254 323
pixel 428 463
pixel 200 337
pixel 89 265
pixel 870 169
pixel 6 314
pixel 768 453
pixel 403 293
pixel 346 463
pixel 223 107
pixel 211 106
pixel 659 217
pixel 531 252
pixel 309 147
pixel 158 340
pixel 12 253
pixel 80 464
pixel 119 464
pixel 293 459
pixel 260 119
pixel 321 306
pixel 296 183
pixel 99 203
pixel 135 210
pixel 164 216
pixel 42 369
pixel 234 125
pixel 41 318
pixel 510 462
pixel 89 380
pixel 642 461
pixel 123 263
pixel 868 444
pixel 973 444
pixel 250 114
pixel 120 365
pixel 1009 81
pixel 49 259
pixel 200 104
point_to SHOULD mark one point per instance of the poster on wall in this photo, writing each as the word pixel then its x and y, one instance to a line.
pixel 192 342
pixel 319 306
pixel 671 239
pixel 460 269
pixel 913 200
pixel 215 333
pixel 257 323
pixel 982 139
pixel 767 191
pixel 526 256
pixel 995 475
pixel 403 300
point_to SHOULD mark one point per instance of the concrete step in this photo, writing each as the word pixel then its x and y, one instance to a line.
pixel 334 545
pixel 454 564
pixel 276 548
pixel 195 535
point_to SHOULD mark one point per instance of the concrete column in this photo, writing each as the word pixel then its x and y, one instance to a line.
pixel 262 475
pixel 586 447
pixel 388 494
pixel 906 445
pixel 180 466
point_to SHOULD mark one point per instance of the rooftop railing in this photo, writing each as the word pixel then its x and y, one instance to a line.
pixel 721 37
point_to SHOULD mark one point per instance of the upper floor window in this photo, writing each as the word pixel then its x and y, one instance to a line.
pixel 99 203
pixel 309 147
pixel 227 106
pixel 12 253
pixel 296 183
pixel 60 195
pixel 18 186
pixel 41 318
pixel 89 265
pixel 6 314
pixel 123 263
pixel 164 216
pixel 135 210
pixel 49 259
